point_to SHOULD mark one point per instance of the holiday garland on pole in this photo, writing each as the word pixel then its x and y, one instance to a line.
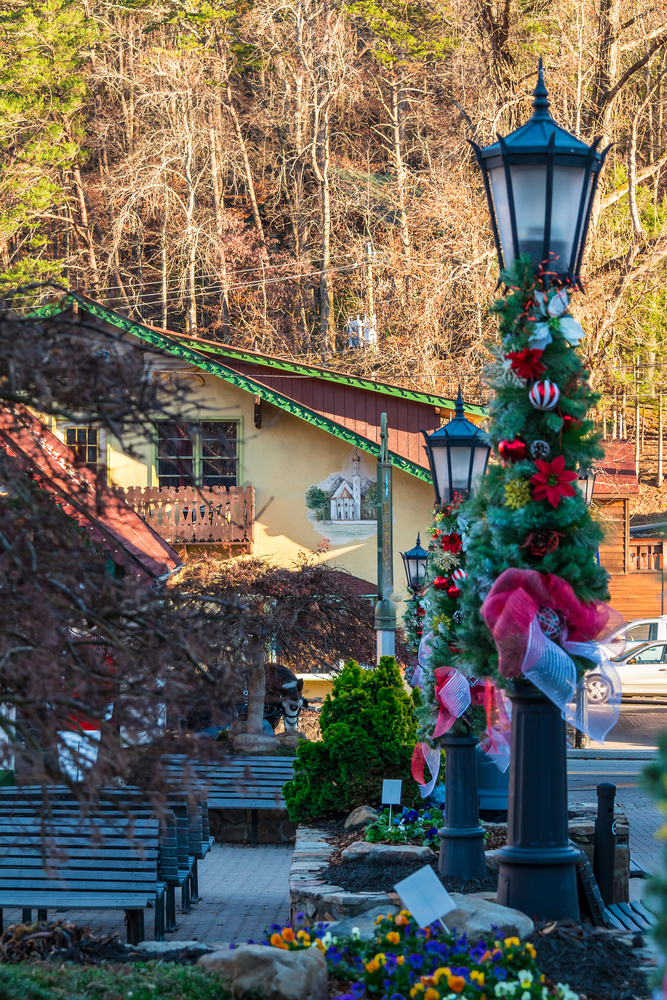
pixel 533 600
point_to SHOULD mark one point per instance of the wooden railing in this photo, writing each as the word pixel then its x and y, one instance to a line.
pixel 645 555
pixel 196 514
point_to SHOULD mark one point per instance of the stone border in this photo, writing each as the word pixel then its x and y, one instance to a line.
pixel 311 895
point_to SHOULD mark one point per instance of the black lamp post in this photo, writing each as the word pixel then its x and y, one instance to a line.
pixel 415 561
pixel 540 183
pixel 586 483
pixel 458 456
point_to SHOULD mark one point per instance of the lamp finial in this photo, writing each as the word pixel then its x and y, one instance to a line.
pixel 459 411
pixel 540 95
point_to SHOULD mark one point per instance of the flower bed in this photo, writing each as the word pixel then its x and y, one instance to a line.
pixel 405 962
pixel 411 826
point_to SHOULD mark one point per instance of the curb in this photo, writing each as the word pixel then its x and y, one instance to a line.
pixel 650 753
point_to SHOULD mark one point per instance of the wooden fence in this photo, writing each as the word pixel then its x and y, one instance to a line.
pixel 196 514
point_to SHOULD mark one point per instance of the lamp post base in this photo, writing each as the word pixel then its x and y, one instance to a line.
pixel 461 838
pixel 537 870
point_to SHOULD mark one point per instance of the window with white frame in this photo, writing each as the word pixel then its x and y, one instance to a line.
pixel 198 454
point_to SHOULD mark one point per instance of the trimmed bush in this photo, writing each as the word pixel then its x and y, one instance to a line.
pixel 368 734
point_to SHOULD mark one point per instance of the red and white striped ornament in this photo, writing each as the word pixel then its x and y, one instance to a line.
pixel 544 395
pixel 459 574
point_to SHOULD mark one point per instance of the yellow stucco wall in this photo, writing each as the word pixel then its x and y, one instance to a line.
pixel 281 460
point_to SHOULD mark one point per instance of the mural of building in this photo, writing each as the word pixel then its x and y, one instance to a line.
pixel 346 500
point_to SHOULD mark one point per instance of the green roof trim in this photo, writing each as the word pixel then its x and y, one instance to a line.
pixel 269 361
pixel 165 343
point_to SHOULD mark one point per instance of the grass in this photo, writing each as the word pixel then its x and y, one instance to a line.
pixel 145 981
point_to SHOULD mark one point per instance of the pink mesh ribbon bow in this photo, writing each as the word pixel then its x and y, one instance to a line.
pixel 516 609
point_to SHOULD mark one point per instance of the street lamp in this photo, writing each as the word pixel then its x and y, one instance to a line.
pixel 586 483
pixel 540 183
pixel 458 456
pixel 415 561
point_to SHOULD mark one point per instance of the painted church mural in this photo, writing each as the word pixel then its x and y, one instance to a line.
pixel 343 506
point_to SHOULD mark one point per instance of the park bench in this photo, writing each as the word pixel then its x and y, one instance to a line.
pixel 239 782
pixel 118 804
pixel 94 863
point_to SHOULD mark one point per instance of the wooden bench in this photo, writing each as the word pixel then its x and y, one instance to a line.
pixel 119 810
pixel 94 864
pixel 239 782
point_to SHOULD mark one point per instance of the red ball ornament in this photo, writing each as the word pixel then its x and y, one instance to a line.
pixel 512 451
pixel 453 591
pixel 571 423
pixel 441 582
pixel 544 395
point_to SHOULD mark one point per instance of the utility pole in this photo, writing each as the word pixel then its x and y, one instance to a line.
pixel 636 435
pixel 385 609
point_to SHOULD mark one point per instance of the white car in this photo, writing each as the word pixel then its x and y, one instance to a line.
pixel 641 670
pixel 642 630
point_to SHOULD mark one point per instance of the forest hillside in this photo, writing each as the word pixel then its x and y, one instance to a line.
pixel 260 172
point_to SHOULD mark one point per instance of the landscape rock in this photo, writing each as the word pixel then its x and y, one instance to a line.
pixel 388 854
pixel 252 743
pixel 270 972
pixel 364 923
pixel 476 917
pixel 289 740
pixel 491 861
pixel 361 816
pixel 170 951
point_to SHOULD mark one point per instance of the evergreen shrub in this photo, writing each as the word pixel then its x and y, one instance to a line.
pixel 368 734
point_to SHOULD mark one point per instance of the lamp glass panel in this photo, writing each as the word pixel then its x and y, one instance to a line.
pixel 460 458
pixel 568 190
pixel 502 207
pixel 416 572
pixel 478 466
pixel 529 187
pixel 439 459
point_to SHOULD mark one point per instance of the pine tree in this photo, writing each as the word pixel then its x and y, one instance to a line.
pixel 529 513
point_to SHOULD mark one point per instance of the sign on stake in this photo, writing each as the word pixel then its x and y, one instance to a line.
pixel 391 794
pixel 424 895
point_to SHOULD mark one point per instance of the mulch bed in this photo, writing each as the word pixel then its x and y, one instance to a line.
pixel 595 964
pixel 378 876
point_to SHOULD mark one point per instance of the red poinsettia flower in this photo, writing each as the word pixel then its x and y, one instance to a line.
pixel 553 481
pixel 527 363
pixel 451 543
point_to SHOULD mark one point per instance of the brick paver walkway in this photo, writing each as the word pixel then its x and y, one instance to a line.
pixel 638 724
pixel 242 888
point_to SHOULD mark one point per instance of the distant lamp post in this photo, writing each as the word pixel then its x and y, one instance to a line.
pixel 586 483
pixel 458 456
pixel 540 183
pixel 415 561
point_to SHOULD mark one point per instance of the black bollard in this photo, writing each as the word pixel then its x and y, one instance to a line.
pixel 605 842
pixel 461 838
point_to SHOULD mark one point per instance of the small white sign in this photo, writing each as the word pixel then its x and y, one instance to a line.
pixel 391 793
pixel 424 895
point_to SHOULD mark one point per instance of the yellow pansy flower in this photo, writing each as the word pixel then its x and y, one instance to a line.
pixel 512 942
pixel 393 937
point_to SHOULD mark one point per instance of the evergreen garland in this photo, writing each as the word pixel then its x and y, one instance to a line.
pixel 442 620
pixel 528 512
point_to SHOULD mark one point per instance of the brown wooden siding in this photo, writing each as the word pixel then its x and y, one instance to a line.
pixel 614 516
pixel 637 595
pixel 357 409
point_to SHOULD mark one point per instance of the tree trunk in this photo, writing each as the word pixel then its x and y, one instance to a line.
pixel 219 229
pixel 256 693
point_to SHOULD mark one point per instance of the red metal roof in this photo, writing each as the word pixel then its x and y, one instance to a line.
pixel 130 542
pixel 617 476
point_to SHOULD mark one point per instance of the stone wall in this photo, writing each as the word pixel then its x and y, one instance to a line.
pixel 232 826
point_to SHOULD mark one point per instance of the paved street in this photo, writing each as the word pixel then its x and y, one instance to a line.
pixel 639 723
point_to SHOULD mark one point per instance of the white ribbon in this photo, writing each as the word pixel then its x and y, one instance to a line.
pixel 550 668
pixel 556 307
pixel 432 758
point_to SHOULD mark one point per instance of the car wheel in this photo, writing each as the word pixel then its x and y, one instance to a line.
pixel 598 690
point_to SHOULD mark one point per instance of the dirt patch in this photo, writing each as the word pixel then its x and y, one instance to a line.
pixel 378 876
pixel 496 836
pixel 595 963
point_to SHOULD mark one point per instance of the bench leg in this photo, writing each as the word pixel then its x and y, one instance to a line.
pixel 26 917
pixel 194 893
pixel 253 828
pixel 159 915
pixel 186 905
pixel 135 926
pixel 41 915
pixel 171 909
